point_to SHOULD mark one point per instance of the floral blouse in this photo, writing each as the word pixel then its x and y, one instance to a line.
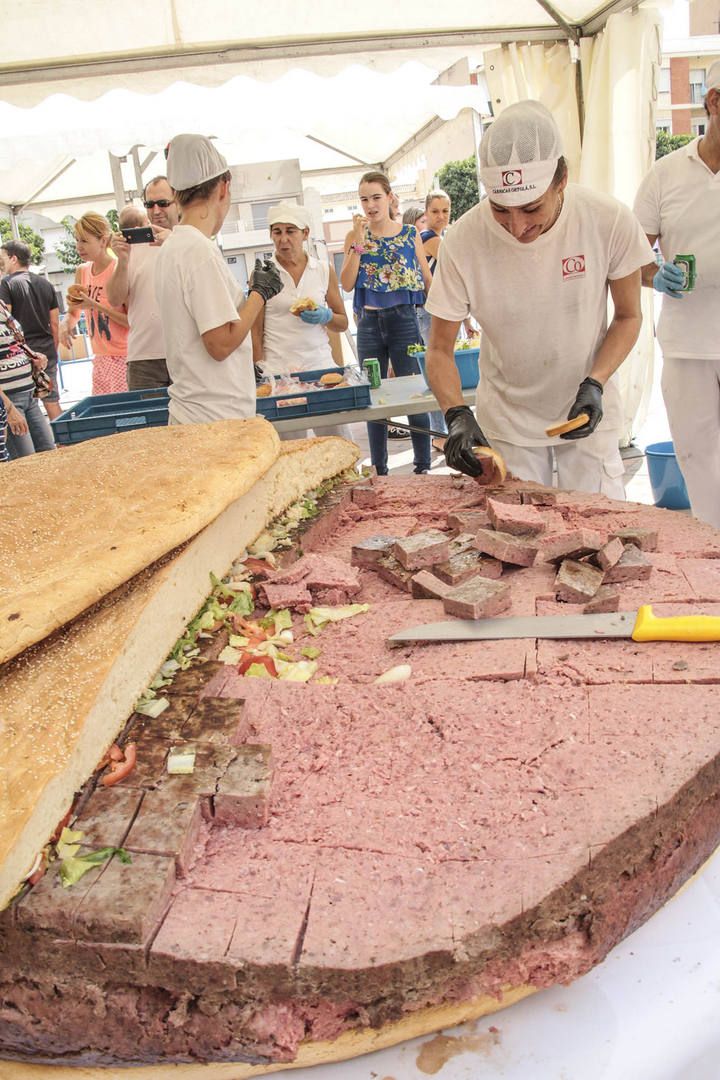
pixel 389 273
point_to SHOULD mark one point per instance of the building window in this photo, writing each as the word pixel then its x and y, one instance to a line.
pixel 698 126
pixel 663 125
pixel 664 81
pixel 697 85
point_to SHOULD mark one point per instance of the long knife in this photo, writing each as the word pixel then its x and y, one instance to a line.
pixel 642 625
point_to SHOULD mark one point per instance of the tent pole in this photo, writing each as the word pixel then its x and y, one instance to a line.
pixel 138 171
pixel 571 31
pixel 117 179
pixel 14 222
pixel 580 98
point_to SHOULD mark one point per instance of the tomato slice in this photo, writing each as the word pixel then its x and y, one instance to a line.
pixel 248 659
pixel 120 769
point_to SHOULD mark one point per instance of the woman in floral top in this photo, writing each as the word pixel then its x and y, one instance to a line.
pixel 385 265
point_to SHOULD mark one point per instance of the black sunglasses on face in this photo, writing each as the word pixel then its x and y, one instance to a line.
pixel 158 202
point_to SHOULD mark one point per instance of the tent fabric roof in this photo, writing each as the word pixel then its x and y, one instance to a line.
pixel 331 84
pixel 79 45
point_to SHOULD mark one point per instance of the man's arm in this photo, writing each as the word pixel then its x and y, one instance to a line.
pixel 55 326
pixel 258 331
pixel 442 372
pixel 223 340
pixel 648 272
pixel 118 286
pixel 623 330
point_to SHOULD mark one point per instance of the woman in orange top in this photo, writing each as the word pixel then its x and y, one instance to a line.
pixel 108 325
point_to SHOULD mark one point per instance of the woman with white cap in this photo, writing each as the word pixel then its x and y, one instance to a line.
pixel 286 338
pixel 206 321
pixel 533 264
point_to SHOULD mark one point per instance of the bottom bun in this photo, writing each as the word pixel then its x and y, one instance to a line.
pixel 493 465
pixel 348 1045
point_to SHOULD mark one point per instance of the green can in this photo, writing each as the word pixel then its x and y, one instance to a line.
pixel 687 265
pixel 372 370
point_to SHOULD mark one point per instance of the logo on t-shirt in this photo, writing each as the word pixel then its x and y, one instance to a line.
pixel 512 177
pixel 573 266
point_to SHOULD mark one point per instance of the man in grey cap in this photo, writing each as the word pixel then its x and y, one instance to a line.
pixel 206 320
pixel 678 204
pixel 533 264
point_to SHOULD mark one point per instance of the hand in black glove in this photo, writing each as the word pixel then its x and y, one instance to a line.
pixel 463 433
pixel 265 280
pixel 588 400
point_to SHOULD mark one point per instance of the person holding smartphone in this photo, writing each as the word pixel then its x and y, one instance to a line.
pixel 133 284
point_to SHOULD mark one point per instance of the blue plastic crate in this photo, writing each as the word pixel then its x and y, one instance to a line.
pixel 315 402
pixel 467 361
pixel 107 414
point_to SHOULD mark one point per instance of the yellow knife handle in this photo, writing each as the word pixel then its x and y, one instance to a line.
pixel 649 627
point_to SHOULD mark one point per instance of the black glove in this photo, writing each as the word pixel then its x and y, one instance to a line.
pixel 265 280
pixel 463 433
pixel 588 400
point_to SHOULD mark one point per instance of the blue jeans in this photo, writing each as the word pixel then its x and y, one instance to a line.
pixel 39 437
pixel 437 416
pixel 385 334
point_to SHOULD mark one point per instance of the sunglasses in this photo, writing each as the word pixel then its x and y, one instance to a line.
pixel 164 203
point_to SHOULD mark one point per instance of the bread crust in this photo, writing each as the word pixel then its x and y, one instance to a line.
pixel 107 508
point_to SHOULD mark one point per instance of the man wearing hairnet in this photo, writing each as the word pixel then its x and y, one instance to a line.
pixel 678 204
pixel 532 264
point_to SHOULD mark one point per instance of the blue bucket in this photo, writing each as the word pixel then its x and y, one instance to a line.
pixel 666 480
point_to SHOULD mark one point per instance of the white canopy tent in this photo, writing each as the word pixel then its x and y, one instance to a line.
pixel 327 82
pixel 334 85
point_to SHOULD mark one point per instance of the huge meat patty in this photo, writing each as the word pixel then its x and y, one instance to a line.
pixel 346 853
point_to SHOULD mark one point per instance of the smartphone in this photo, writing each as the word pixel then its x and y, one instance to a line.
pixel 139 236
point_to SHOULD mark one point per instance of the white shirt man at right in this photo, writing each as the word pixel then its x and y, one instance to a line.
pixel 678 204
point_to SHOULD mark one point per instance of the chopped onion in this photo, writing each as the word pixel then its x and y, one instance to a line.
pixel 395 674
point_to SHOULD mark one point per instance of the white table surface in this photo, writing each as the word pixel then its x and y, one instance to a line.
pixel 651 1011
pixel 403 396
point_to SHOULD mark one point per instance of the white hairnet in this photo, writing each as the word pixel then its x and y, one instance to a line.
pixel 519 154
pixel 193 160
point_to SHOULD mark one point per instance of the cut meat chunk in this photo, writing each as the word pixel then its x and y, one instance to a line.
pixel 518 551
pixel 632 566
pixel 422 549
pixel 516 520
pixel 577 582
pixel 478 598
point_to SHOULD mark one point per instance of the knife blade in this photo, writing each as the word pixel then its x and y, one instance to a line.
pixel 642 625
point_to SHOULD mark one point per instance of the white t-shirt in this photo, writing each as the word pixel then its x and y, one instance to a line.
pixel 679 201
pixel 542 308
pixel 196 292
pixel 145 339
pixel 289 344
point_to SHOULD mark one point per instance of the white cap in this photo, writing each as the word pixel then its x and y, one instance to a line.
pixel 286 213
pixel 193 160
pixel 712 77
pixel 519 154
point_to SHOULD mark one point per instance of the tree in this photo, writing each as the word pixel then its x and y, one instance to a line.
pixel 459 180
pixel 65 249
pixel 665 143
pixel 28 236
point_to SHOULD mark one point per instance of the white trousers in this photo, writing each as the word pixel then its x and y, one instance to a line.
pixel 691 389
pixel 592 464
